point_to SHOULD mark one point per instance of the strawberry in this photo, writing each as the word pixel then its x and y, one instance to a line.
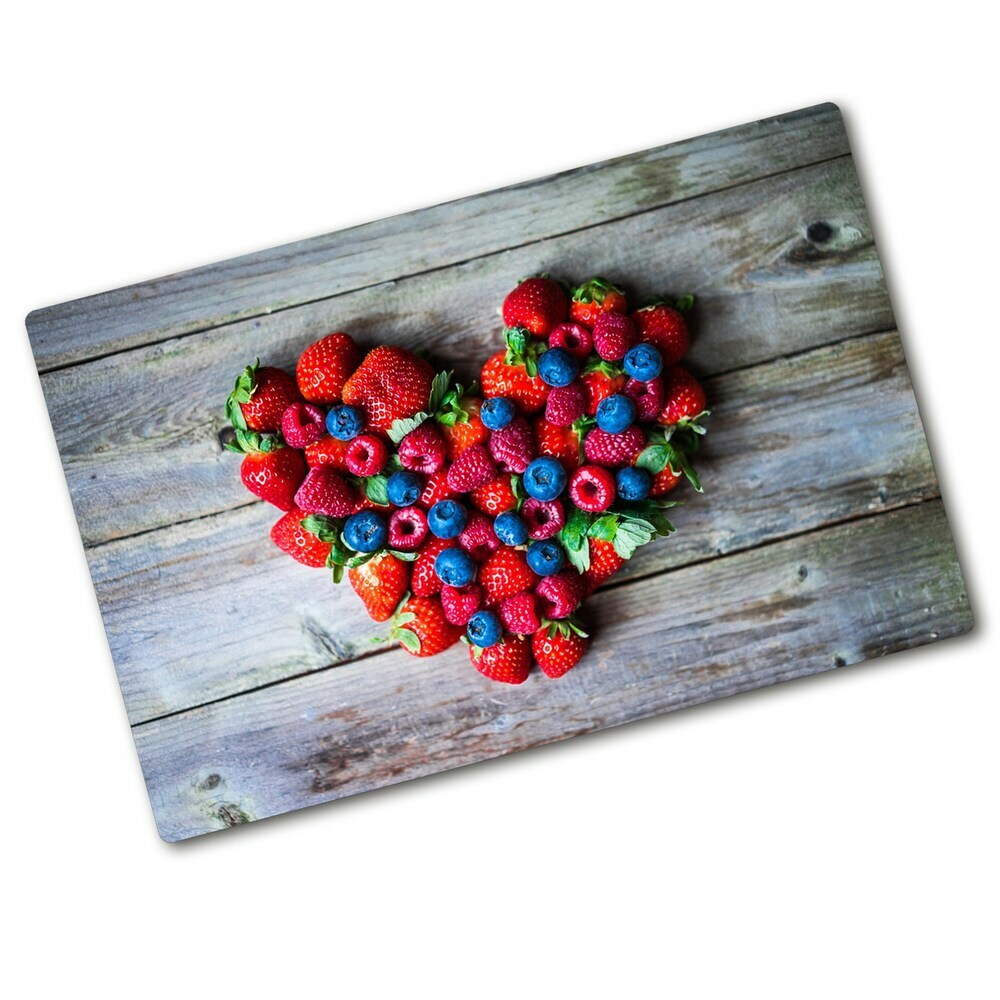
pixel 537 304
pixel 594 298
pixel 421 628
pixel 513 447
pixel 436 488
pixel 461 603
pixel 472 468
pixel 478 537
pixel 328 450
pixel 685 398
pixel 467 428
pixel 559 442
pixel 514 372
pixel 558 648
pixel 519 613
pixel 665 481
pixel 604 563
pixel 614 334
pixel 425 581
pixel 423 450
pixel 274 475
pixel 560 594
pixel 599 384
pixel 302 545
pixel 494 497
pixel 260 397
pixel 613 450
pixel 324 491
pixel 390 384
pixel 665 327
pixel 566 404
pixel 508 661
pixel 325 366
pixel 504 574
pixel 381 583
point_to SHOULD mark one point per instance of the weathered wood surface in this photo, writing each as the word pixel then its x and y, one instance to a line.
pixel 815 439
pixel 149 453
pixel 744 621
pixel 446 234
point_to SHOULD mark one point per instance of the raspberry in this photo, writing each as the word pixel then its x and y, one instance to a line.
pixel 544 518
pixel 461 603
pixel 614 450
pixel 647 396
pixel 566 404
pixel 513 446
pixel 560 594
pixel 407 529
pixel 478 537
pixel 519 614
pixel 423 450
pixel 574 337
pixel 592 488
pixel 474 467
pixel 366 455
pixel 614 334
pixel 302 424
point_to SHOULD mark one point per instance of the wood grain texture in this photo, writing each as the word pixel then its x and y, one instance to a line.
pixel 764 290
pixel 291 275
pixel 797 607
pixel 795 444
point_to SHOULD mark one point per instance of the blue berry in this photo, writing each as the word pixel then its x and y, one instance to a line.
pixel 615 414
pixel 545 558
pixel 455 567
pixel 345 422
pixel 557 367
pixel 544 479
pixel 510 528
pixel 404 488
pixel 446 519
pixel 643 362
pixel 497 412
pixel 484 629
pixel 366 531
pixel 633 483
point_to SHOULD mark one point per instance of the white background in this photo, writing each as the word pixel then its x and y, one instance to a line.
pixel 834 837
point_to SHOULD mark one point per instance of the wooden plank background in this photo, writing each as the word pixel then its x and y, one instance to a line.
pixel 820 541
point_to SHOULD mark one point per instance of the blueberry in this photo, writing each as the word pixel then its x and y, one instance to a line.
pixel 510 529
pixel 643 362
pixel 557 367
pixel 544 479
pixel 497 412
pixel 615 413
pixel 345 422
pixel 633 483
pixel 455 567
pixel 446 519
pixel 404 488
pixel 545 558
pixel 365 531
pixel 484 629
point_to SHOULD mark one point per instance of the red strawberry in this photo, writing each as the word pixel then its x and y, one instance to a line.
pixel 436 488
pixel 665 328
pixel 366 455
pixel 423 450
pixel 647 396
pixel 559 442
pixel 558 649
pixel 302 545
pixel 422 629
pixel 330 451
pixel 538 304
pixel 494 497
pixel 592 488
pixel 464 433
pixel 478 537
pixel 508 661
pixel 513 447
pixel 324 491
pixel 472 468
pixel 544 518
pixel 560 594
pixel 505 573
pixel 614 450
pixel 260 397
pixel 380 583
pixel 302 424
pixel 594 298
pixel 519 614
pixel 574 337
pixel 425 581
pixel 407 529
pixel 390 384
pixel 604 563
pixel 614 334
pixel 685 398
pixel 665 481
pixel 566 404
pixel 274 475
pixel 600 384
pixel 325 366
pixel 501 379
pixel 461 603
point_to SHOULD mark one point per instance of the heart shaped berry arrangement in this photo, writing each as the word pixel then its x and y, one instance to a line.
pixel 487 518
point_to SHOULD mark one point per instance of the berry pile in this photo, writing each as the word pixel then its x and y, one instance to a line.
pixel 486 519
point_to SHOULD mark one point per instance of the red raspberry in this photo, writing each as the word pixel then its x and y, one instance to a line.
pixel 519 614
pixel 407 529
pixel 424 581
pixel 302 424
pixel 566 404
pixel 544 517
pixel 560 594
pixel 592 488
pixel 461 603
pixel 614 450
pixel 513 447
pixel 614 334
pixel 423 450
pixel 474 467
pixel 575 337
pixel 647 396
pixel 366 455
pixel 478 537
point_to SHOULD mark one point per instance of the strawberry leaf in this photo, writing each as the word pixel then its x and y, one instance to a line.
pixel 604 528
pixel 409 640
pixel 579 558
pixel 376 489
pixel 439 387
pixel 359 559
pixel 404 556
pixel 654 458
pixel 326 529
pixel 574 532
pixel 684 303
pixel 338 572
pixel 401 427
